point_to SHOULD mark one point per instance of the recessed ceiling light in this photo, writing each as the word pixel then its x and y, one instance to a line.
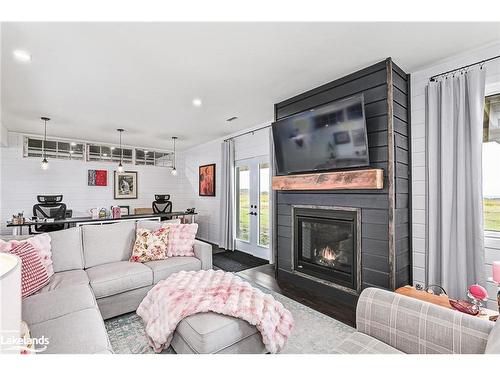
pixel 197 102
pixel 21 55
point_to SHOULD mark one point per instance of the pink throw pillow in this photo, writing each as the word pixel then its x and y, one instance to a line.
pixel 181 240
pixel 40 242
pixel 33 273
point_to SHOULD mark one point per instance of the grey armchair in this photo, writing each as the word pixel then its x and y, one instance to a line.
pixel 390 323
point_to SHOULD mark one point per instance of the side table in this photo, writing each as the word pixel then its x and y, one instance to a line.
pixel 441 300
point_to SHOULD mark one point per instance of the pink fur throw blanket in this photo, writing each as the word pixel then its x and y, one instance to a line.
pixel 187 293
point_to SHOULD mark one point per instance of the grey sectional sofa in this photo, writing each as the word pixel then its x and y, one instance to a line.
pixel 93 281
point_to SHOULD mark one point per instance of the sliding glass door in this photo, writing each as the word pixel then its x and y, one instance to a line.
pixel 252 206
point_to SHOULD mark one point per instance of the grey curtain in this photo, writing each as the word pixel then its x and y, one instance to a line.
pixel 272 197
pixel 226 235
pixel 455 243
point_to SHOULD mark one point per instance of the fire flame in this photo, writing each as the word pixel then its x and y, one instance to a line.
pixel 327 253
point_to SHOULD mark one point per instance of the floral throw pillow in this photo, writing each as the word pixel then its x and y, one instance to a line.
pixel 181 239
pixel 150 245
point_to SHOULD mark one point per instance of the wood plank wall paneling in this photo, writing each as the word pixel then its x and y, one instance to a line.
pixel 389 149
pixel 402 161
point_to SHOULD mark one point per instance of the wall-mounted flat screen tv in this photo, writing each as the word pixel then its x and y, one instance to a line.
pixel 329 137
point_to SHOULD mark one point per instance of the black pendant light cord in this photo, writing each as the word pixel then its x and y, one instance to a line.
pixel 121 149
pixel 44 139
pixel 44 151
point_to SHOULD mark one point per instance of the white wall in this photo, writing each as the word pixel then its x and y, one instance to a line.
pixel 22 179
pixel 247 146
pixel 25 179
pixel 419 81
pixel 206 207
pixel 252 145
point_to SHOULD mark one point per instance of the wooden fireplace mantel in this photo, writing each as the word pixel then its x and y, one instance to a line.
pixel 341 180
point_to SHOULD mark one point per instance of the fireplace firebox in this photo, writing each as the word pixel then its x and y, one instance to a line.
pixel 326 245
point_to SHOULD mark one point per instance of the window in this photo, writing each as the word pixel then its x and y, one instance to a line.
pixel 264 204
pixel 491 156
pixel 34 148
pixel 97 152
pixel 243 203
pixel 72 150
pixel 156 158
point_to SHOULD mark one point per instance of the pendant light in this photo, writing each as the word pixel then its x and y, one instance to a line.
pixel 45 162
pixel 174 170
pixel 120 165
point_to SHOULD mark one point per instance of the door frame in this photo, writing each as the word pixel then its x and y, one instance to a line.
pixel 252 246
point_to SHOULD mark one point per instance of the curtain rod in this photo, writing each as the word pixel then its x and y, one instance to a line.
pixel 433 78
pixel 248 132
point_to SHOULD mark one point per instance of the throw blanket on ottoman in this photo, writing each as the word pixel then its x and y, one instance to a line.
pixel 187 293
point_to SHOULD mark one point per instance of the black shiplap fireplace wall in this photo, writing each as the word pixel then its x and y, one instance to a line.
pixel 385 214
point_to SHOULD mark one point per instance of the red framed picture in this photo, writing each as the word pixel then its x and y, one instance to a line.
pixel 206 180
pixel 97 177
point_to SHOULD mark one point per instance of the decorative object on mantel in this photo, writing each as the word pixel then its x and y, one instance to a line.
pixel 124 210
pixel 116 212
pixel 125 185
pixel 97 177
pixel 340 180
pixel 45 162
pixel 207 180
pixel 478 295
pixel 18 219
pixel 464 306
pixel 94 213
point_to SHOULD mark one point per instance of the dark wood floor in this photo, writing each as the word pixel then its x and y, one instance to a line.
pixel 264 276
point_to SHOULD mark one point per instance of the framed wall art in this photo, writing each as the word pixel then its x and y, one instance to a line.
pixel 97 177
pixel 125 185
pixel 206 180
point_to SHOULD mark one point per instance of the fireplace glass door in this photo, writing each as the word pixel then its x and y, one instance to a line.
pixel 326 247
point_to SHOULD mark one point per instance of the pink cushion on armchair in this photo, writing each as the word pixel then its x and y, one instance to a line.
pixel 42 245
pixel 181 239
pixel 33 273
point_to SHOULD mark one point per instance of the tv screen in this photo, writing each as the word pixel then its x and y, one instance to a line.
pixel 329 137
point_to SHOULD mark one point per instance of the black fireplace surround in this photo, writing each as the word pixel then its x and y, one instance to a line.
pixel 326 245
pixel 384 233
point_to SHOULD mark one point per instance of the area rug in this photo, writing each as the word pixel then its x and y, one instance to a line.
pixel 314 332
pixel 236 261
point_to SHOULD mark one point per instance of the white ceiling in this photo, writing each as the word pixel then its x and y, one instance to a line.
pixel 92 78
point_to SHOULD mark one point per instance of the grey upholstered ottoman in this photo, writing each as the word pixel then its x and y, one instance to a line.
pixel 209 332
